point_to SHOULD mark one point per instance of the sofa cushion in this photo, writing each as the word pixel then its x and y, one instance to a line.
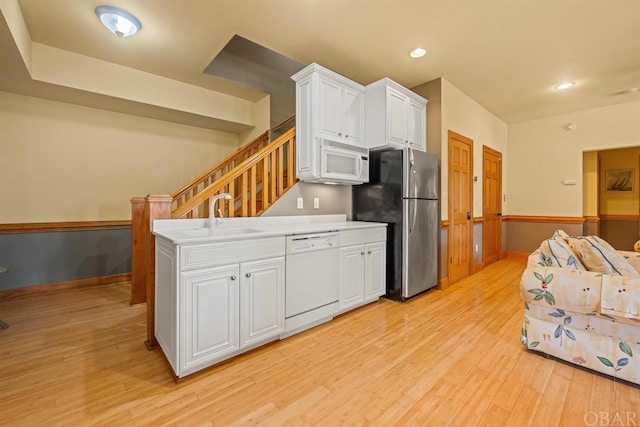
pixel 599 256
pixel 557 253
pixel 621 297
pixel 633 258
pixel 560 234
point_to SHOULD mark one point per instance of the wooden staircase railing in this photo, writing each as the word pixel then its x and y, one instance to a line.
pixel 268 174
pixel 201 182
pixel 255 183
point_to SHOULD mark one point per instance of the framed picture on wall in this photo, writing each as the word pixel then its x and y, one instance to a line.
pixel 619 180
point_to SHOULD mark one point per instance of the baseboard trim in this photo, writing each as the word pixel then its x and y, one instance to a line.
pixel 443 283
pixel 517 255
pixel 60 286
pixel 477 267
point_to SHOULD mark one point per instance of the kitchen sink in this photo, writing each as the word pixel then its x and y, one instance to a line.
pixel 219 232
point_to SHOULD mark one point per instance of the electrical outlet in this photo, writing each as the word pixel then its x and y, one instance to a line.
pixel 316 203
pixel 299 203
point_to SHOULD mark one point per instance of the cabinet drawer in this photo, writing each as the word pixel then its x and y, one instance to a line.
pixel 208 254
pixel 362 236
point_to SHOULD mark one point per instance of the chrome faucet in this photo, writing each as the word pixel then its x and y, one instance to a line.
pixel 212 215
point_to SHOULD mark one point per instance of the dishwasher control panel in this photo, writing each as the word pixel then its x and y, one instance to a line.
pixel 312 242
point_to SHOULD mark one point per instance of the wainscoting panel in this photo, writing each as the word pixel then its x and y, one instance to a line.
pixel 620 231
pixel 524 234
pixel 45 257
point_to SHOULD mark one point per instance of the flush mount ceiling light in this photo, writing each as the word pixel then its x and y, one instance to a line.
pixel 417 53
pixel 566 85
pixel 119 22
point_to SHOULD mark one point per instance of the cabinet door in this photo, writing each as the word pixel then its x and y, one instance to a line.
pixel 210 314
pixel 261 300
pixel 417 118
pixel 396 117
pixel 351 276
pixel 353 119
pixel 329 109
pixel 375 270
pixel 305 157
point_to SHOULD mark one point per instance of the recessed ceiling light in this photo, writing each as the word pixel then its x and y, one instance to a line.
pixel 566 85
pixel 418 52
pixel 119 22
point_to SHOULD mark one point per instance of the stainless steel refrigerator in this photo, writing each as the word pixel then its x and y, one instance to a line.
pixel 403 192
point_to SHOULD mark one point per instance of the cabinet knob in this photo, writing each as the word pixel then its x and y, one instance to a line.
pixel 339 133
pixel 369 252
pixel 248 274
pixel 362 253
pixel 346 136
pixel 233 277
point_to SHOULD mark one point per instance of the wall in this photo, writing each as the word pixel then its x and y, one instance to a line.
pixel 619 211
pixel 542 154
pixel 334 199
pixel 38 258
pixel 619 203
pixel 450 109
pixel 63 162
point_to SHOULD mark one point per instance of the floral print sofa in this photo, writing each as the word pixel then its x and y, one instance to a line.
pixel 582 304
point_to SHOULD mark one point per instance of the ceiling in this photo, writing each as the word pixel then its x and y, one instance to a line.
pixel 505 54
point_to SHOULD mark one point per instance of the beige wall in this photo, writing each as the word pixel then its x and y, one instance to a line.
pixel 616 203
pixel 450 109
pixel 542 154
pixel 63 162
pixel 465 116
pixel 590 183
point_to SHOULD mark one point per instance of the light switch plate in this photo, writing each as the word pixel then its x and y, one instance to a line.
pixel 299 203
pixel 316 203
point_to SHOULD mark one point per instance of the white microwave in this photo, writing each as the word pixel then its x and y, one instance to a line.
pixel 342 163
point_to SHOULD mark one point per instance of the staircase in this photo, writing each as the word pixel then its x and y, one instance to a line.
pixel 255 176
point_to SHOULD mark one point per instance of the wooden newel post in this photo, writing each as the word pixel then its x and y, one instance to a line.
pixel 156 207
pixel 144 211
pixel 138 251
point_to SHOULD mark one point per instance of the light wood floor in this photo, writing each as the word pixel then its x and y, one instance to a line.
pixel 448 357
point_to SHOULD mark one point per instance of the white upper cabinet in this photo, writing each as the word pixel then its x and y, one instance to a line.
pixel 395 116
pixel 331 107
pixel 330 128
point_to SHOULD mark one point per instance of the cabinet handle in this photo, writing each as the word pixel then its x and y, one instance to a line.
pixel 248 274
pixel 233 277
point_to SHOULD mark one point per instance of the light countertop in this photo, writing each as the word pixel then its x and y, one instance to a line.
pixel 185 231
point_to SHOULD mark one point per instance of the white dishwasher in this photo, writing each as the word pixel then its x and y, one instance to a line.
pixel 311 281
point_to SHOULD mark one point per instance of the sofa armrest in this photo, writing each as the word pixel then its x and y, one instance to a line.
pixel 621 297
pixel 566 288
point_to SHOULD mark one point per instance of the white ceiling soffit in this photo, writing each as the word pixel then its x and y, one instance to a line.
pixel 507 55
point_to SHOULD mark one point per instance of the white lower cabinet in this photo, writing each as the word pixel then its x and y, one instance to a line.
pixel 351 277
pixel 232 307
pixel 375 271
pixel 210 310
pixel 217 300
pixel 261 301
pixel 362 267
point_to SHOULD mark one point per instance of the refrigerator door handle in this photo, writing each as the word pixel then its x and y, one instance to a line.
pixel 415 215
